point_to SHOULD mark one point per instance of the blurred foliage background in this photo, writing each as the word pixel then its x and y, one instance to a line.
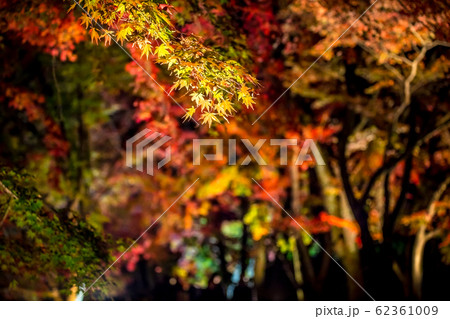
pixel 376 104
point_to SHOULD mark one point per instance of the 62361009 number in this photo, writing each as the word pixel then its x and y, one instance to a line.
pixel 406 310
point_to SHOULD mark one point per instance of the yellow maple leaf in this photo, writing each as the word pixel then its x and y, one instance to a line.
pixel 85 20
pixel 225 108
pixel 209 118
pixel 163 50
pixel 243 92
pixel 94 36
pixel 248 101
pixel 189 113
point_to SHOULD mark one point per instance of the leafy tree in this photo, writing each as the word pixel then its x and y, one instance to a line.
pixel 213 81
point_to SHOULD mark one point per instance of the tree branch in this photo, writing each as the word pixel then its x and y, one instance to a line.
pixel 12 197
pixel 8 191
pixel 435 198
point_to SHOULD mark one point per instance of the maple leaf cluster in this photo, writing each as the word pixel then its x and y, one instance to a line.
pixel 216 84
